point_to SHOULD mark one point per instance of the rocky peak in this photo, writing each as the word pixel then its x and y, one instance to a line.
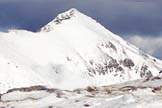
pixel 61 17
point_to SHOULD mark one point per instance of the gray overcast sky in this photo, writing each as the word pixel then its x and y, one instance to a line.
pixel 128 18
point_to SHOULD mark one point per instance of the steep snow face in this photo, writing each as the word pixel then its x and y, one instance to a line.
pixel 72 51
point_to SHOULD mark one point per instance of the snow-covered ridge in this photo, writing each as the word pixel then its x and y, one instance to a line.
pixel 127 95
pixel 61 17
pixel 72 51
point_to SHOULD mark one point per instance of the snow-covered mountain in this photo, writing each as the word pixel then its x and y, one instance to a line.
pixel 72 51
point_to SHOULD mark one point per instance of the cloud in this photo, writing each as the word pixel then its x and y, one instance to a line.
pixel 152 45
pixel 120 16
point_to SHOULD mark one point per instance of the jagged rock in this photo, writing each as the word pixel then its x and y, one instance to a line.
pixel 160 72
pixel 145 72
pixel 128 88
pixel 32 88
pixel 120 68
pixel 128 63
pixel 87 105
pixel 108 45
pixel 113 64
pixel 91 88
pixel 111 45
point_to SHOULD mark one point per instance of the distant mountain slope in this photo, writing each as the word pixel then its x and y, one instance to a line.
pixel 70 52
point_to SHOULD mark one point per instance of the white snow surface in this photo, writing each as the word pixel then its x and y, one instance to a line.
pixel 72 51
pixel 134 94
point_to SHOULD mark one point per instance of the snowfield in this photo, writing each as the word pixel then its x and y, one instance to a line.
pixel 134 94
pixel 73 51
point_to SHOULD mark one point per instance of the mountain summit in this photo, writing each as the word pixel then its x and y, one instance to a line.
pixel 72 51
pixel 60 18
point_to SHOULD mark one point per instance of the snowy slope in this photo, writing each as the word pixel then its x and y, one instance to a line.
pixel 72 51
pixel 127 95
